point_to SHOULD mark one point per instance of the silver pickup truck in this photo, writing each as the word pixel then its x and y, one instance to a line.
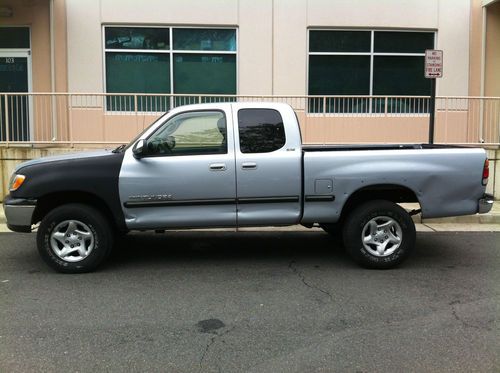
pixel 240 165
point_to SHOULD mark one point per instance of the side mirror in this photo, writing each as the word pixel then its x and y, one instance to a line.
pixel 140 148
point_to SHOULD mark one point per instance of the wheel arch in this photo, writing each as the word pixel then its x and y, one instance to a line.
pixel 390 192
pixel 50 201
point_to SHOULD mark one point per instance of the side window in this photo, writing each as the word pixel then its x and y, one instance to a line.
pixel 193 133
pixel 261 130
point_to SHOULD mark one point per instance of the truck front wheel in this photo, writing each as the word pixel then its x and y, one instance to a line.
pixel 379 234
pixel 74 238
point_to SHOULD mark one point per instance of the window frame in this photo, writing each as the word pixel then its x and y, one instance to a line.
pixel 372 54
pixel 189 155
pixel 170 51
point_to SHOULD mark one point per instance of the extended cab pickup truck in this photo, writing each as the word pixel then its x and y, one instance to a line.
pixel 240 165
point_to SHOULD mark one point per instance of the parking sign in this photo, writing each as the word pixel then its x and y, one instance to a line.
pixel 433 63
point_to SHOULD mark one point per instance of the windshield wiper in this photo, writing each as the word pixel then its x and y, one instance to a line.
pixel 119 149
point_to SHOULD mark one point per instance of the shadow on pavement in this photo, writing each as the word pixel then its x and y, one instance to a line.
pixel 225 246
pixel 432 249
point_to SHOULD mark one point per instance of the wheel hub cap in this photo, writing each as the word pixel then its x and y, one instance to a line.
pixel 382 236
pixel 72 240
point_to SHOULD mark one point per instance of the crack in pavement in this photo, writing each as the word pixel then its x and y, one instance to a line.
pixel 295 270
pixel 462 321
pixel 465 323
pixel 209 344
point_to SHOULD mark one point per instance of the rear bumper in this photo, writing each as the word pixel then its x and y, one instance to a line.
pixel 485 204
pixel 19 213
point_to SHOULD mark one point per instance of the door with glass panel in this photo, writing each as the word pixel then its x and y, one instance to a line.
pixel 186 178
pixel 15 75
pixel 268 172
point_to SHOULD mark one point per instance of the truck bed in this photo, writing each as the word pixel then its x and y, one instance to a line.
pixel 445 179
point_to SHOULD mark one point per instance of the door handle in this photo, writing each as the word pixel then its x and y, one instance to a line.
pixel 217 167
pixel 249 165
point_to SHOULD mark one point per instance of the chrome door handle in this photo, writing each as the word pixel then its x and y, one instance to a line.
pixel 249 165
pixel 217 167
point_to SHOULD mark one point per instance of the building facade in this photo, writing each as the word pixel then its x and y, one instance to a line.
pixel 353 67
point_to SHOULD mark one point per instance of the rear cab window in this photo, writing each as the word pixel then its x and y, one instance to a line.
pixel 260 130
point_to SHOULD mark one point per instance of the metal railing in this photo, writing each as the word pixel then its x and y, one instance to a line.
pixel 105 118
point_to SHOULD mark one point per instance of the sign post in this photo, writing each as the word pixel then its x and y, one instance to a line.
pixel 433 70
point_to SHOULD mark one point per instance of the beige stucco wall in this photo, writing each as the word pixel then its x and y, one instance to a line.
pixel 272 48
pixel 60 46
pixel 84 46
pixel 492 55
pixel 453 38
pixel 475 47
pixel 256 74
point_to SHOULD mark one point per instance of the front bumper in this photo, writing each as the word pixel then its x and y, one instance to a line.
pixel 485 204
pixel 19 213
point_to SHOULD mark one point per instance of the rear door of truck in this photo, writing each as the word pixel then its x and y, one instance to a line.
pixel 268 166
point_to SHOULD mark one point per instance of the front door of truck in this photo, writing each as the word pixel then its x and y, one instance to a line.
pixel 187 176
pixel 268 168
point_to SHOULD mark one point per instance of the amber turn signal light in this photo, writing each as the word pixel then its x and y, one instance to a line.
pixel 16 182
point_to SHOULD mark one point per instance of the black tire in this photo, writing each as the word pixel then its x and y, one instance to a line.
pixel 379 213
pixel 95 234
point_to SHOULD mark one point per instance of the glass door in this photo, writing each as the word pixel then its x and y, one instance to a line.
pixel 15 110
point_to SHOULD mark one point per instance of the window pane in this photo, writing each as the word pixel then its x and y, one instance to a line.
pixel 137 73
pixel 403 42
pixel 14 37
pixel 137 38
pixel 339 41
pixel 400 76
pixel 339 75
pixel 261 130
pixel 193 133
pixel 205 73
pixel 204 39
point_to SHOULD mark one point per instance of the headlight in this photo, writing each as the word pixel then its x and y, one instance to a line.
pixel 16 181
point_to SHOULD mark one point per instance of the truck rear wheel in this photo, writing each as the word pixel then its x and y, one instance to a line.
pixel 379 234
pixel 74 238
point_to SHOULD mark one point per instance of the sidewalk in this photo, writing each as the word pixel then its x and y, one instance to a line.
pixel 484 222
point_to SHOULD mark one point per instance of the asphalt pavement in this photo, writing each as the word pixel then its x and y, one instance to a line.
pixel 260 301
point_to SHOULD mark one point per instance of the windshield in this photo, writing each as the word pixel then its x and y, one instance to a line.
pixel 146 129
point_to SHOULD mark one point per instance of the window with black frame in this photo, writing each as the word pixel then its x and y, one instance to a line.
pixel 361 63
pixel 162 60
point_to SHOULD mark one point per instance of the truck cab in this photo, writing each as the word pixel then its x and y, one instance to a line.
pixel 219 165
